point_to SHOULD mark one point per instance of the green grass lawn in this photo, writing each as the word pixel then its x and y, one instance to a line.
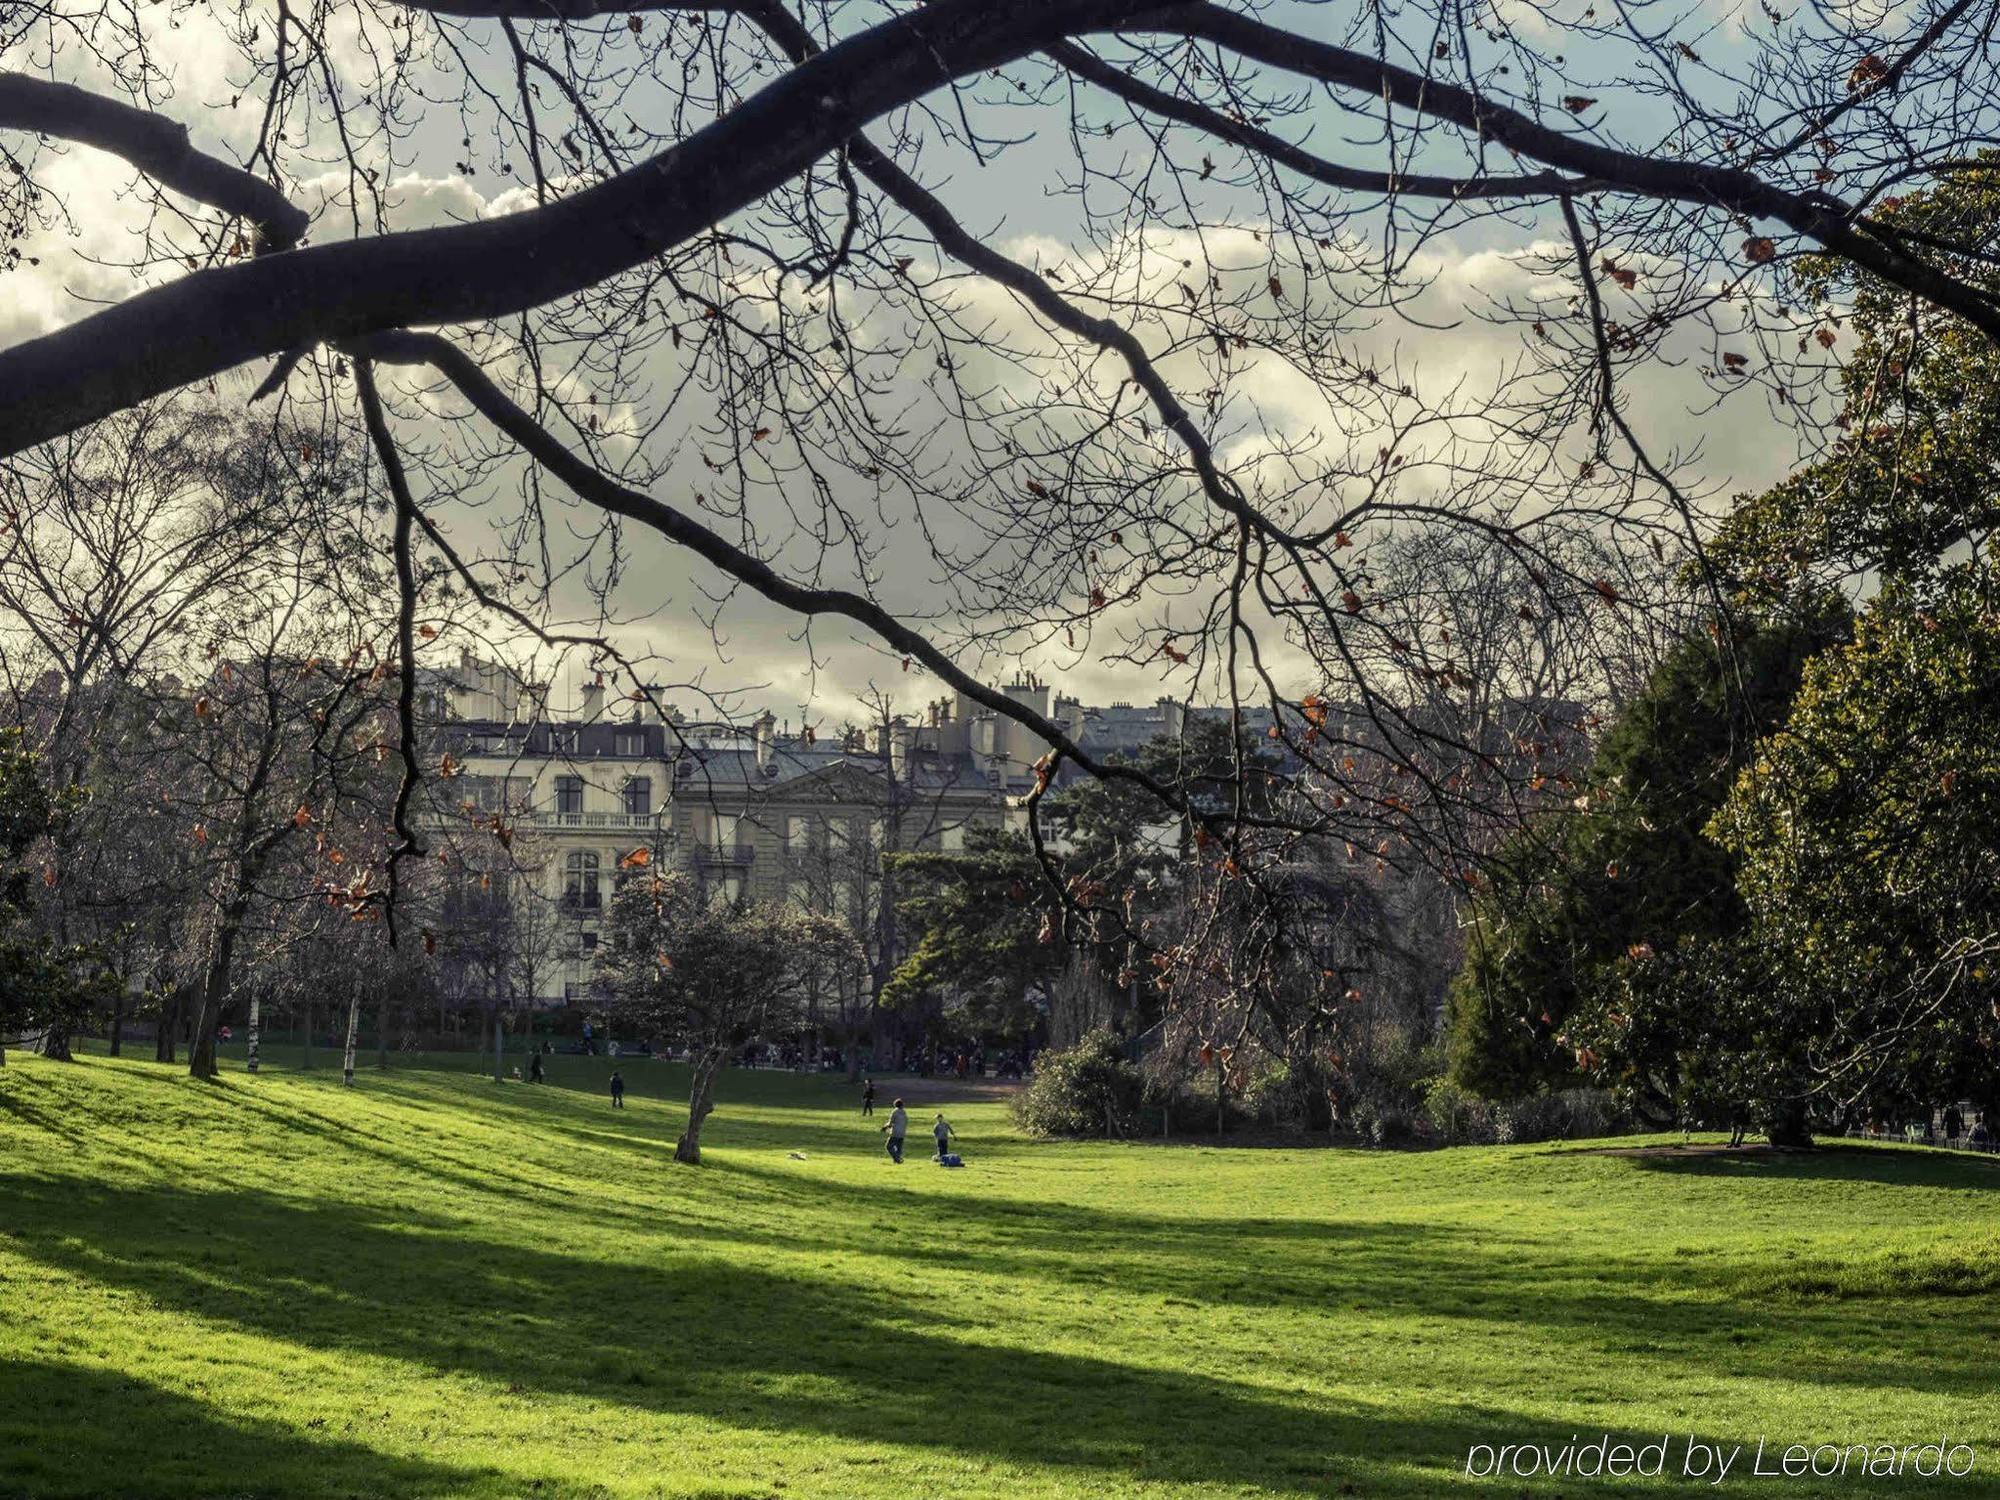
pixel 434 1285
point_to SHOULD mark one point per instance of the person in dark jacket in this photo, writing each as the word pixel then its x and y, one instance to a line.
pixel 535 1067
pixel 867 1097
pixel 617 1090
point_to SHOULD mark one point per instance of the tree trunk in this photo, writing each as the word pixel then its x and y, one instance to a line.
pixel 214 990
pixel 1787 1126
pixel 382 1029
pixel 499 1047
pixel 118 1022
pixel 252 1027
pixel 701 1102
pixel 170 1020
pixel 306 1060
pixel 55 1042
pixel 353 1031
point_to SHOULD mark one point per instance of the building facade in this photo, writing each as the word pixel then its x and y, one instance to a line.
pixel 539 814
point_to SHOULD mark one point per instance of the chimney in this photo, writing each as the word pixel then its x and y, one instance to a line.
pixel 592 706
pixel 1173 718
pixel 901 736
pixel 767 741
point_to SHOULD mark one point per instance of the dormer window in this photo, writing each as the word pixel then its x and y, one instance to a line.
pixel 629 742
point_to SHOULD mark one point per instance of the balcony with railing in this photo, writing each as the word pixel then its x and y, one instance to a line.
pixel 548 820
pixel 653 825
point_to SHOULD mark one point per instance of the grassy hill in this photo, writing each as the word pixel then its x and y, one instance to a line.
pixel 434 1285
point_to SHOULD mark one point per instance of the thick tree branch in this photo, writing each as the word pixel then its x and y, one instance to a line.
pixel 593 485
pixel 157 146
pixel 1817 216
pixel 196 327
pixel 1276 148
pixel 407 843
pixel 566 10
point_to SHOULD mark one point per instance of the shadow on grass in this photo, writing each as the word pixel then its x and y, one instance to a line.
pixel 72 1430
pixel 1894 1166
pixel 708 1336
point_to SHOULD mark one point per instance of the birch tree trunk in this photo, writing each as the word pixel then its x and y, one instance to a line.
pixel 252 1027
pixel 353 1030
pixel 703 1066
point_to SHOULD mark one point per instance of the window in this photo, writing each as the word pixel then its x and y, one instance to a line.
pixel 589 942
pixel 952 838
pixel 639 796
pixel 629 742
pixel 496 793
pixel 722 831
pixel 569 796
pixel 805 835
pixel 580 881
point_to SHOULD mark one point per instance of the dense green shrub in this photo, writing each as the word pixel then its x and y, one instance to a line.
pixel 1091 1089
pixel 1454 1116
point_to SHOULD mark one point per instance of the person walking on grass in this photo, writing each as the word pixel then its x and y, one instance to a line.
pixel 535 1068
pixel 617 1090
pixel 867 1097
pixel 942 1132
pixel 897 1128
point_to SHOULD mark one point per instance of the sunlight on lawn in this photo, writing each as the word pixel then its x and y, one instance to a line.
pixel 435 1285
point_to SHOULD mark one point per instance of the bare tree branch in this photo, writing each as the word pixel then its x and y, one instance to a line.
pixel 157 146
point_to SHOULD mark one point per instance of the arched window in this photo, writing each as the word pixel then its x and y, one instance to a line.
pixel 580 881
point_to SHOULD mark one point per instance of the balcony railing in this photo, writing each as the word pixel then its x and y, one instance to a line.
pixel 543 820
pixel 621 821
pixel 724 856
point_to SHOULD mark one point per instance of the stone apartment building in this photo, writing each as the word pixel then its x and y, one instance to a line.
pixel 551 806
